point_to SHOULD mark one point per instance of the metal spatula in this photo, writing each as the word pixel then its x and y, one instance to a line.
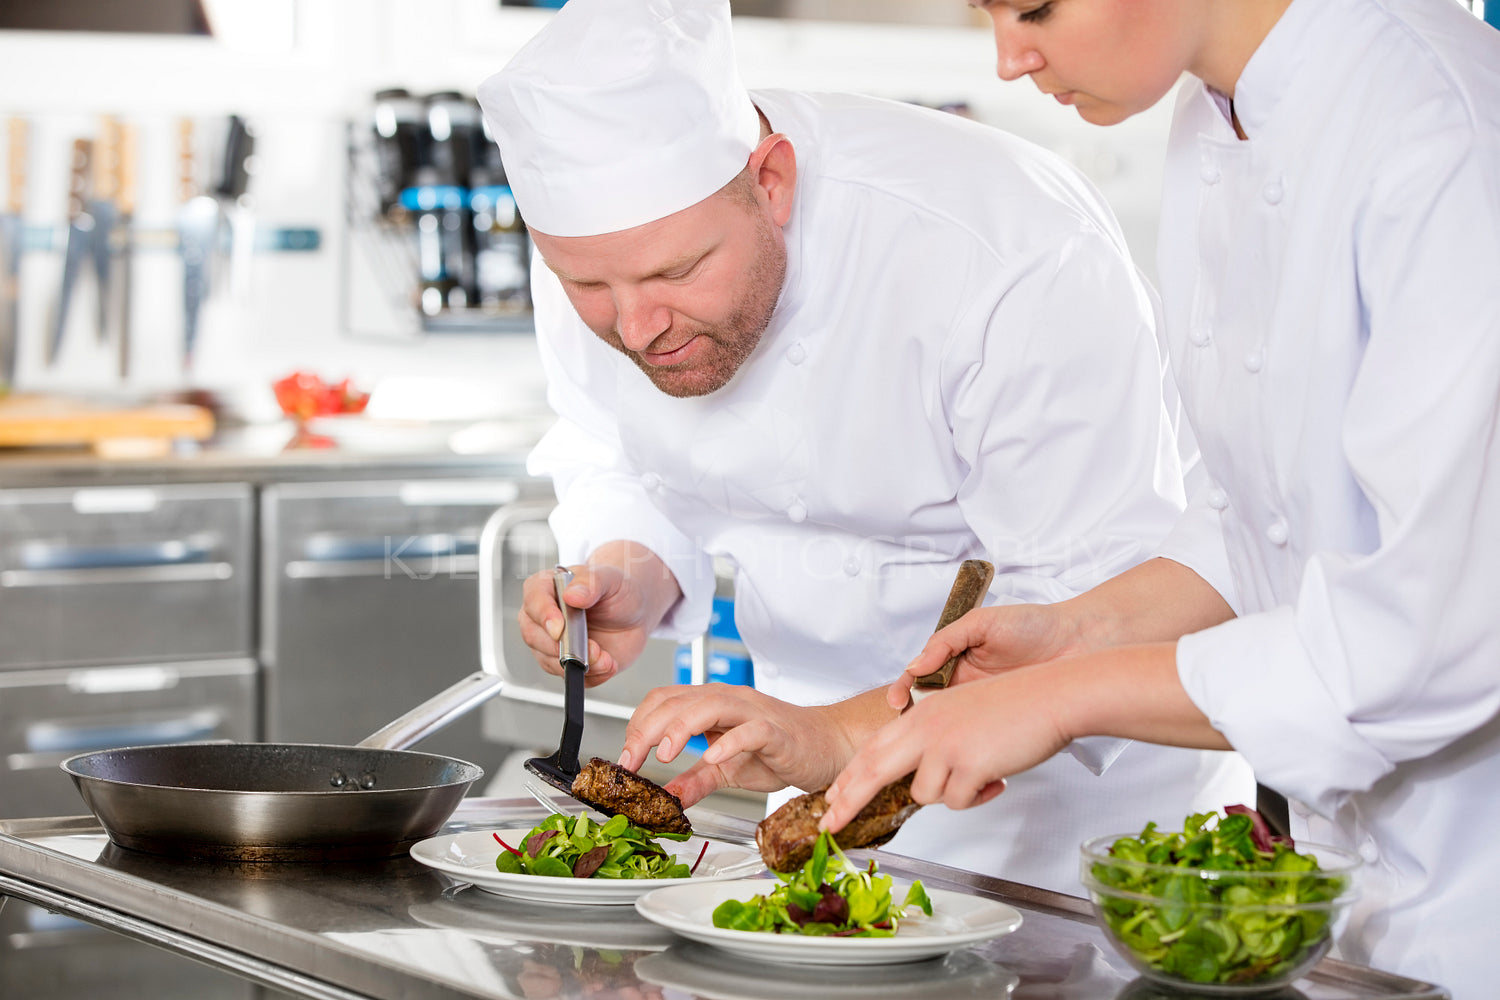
pixel 561 768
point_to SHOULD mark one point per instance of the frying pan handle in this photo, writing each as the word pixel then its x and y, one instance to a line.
pixel 436 712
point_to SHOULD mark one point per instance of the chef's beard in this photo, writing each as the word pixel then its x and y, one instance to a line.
pixel 731 342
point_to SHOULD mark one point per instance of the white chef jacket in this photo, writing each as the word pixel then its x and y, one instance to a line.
pixel 962 363
pixel 1332 298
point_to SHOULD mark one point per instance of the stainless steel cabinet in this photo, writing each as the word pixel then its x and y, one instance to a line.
pixel 125 574
pixel 126 615
pixel 48 715
pixel 369 604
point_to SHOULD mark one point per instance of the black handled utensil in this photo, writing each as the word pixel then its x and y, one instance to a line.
pixel 561 768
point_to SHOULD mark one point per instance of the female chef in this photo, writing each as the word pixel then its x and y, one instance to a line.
pixel 1329 605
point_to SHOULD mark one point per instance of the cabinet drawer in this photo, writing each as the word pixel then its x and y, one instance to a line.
pixel 369 605
pixel 117 575
pixel 47 716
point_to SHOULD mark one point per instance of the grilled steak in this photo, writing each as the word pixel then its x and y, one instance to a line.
pixel 786 837
pixel 613 790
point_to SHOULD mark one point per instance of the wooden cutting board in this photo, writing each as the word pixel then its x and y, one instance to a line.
pixel 38 421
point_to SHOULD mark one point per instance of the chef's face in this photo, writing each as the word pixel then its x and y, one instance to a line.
pixel 1109 59
pixel 687 297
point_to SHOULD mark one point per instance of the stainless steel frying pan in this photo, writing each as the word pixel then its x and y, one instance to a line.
pixel 287 801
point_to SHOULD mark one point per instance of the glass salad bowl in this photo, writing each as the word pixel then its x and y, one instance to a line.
pixel 1215 927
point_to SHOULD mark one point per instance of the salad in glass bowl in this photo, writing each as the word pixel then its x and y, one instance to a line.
pixel 1222 905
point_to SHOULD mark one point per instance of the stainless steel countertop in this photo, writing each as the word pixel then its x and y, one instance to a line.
pixel 244 456
pixel 397 930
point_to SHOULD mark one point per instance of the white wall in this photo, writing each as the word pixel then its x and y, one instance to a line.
pixel 311 69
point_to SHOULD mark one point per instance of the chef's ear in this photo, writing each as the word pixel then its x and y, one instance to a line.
pixel 773 165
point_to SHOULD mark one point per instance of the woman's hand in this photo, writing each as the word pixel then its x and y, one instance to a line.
pixel 962 744
pixel 756 742
pixel 988 641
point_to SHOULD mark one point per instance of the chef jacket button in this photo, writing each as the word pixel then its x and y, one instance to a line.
pixel 1209 172
pixel 1369 852
pixel 651 481
pixel 1254 360
pixel 796 354
pixel 767 670
pixel 1218 499
pixel 851 566
pixel 1200 336
pixel 1300 808
pixel 797 511
pixel 1277 533
pixel 1272 193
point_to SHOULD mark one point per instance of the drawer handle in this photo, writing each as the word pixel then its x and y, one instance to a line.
pixel 171 552
pixel 50 742
pixel 376 548
pixel 182 573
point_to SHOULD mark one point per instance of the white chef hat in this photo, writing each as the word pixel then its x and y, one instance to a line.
pixel 621 112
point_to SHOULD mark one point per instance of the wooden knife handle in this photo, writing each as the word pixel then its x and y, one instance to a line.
pixel 78 179
pixel 969 588
pixel 15 198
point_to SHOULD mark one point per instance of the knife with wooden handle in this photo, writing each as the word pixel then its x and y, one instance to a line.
pixel 125 198
pixel 80 242
pixel 969 588
pixel 11 242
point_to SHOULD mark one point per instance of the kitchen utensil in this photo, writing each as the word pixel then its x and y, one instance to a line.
pixel 285 801
pixel 197 228
pixel 561 767
pixel 969 588
pixel 125 273
pixel 11 224
pixel 231 191
pixel 80 242
pixel 104 211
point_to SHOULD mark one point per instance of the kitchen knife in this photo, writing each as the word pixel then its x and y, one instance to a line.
pixel 562 767
pixel 80 242
pixel 969 588
pixel 125 273
pixel 102 209
pixel 11 226
pixel 197 227
pixel 232 193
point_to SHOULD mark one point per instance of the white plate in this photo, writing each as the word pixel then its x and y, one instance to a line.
pixel 957 920
pixel 470 856
pixel 702 971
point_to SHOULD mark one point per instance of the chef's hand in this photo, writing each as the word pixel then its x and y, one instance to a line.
pixel 961 744
pixel 626 590
pixel 988 641
pixel 755 741
pixel 1158 600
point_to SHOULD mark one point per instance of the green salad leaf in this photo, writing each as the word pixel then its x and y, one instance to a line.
pixel 1210 908
pixel 828 896
pixel 578 847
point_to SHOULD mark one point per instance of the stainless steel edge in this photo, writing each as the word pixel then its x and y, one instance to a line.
pixel 246 966
pixel 292 931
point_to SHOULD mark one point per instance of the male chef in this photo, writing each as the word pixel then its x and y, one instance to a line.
pixel 845 344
